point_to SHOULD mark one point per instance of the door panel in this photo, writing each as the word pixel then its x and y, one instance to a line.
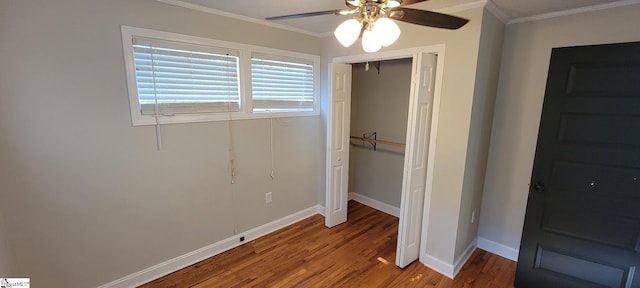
pixel 582 225
pixel 578 267
pixel 338 206
pixel 337 142
pixel 338 118
pixel 415 160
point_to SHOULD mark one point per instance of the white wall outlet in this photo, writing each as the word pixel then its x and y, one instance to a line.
pixel 473 216
pixel 268 197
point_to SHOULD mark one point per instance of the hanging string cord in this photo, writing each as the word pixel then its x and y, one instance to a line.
pixel 232 156
pixel 234 173
pixel 232 152
pixel 273 173
pixel 233 169
pixel 155 100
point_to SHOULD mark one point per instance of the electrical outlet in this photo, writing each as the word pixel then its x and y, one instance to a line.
pixel 473 216
pixel 268 197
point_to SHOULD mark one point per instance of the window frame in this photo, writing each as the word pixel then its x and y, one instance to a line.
pixel 290 61
pixel 245 53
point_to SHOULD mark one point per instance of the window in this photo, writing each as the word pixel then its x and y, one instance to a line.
pixel 281 84
pixel 175 78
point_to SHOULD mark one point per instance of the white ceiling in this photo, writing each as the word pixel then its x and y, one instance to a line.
pixel 511 9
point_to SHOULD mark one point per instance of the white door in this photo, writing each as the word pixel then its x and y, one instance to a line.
pixel 415 160
pixel 339 111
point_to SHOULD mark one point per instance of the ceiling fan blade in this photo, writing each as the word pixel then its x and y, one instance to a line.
pixel 427 18
pixel 409 2
pixel 300 15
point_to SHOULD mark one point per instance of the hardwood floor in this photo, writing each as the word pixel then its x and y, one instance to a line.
pixel 359 253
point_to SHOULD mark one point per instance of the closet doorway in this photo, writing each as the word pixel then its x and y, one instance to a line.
pixel 420 136
pixel 379 108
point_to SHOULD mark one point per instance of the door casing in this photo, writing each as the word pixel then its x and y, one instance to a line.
pixel 413 53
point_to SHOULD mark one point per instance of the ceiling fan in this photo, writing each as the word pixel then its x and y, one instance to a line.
pixel 372 21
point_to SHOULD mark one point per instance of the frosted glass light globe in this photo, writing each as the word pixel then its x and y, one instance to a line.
pixel 347 33
pixel 393 3
pixel 370 41
pixel 386 30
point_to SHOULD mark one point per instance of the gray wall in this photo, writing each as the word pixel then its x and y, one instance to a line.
pixel 489 56
pixel 86 197
pixel 523 74
pixel 379 103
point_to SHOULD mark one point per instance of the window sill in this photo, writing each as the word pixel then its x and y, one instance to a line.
pixel 147 120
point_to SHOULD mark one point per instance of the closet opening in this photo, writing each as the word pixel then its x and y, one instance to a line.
pixel 380 92
pixel 382 116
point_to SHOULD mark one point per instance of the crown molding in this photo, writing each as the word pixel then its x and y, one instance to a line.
pixel 326 34
pixel 491 7
pixel 574 11
pixel 497 12
pixel 236 16
pixel 462 7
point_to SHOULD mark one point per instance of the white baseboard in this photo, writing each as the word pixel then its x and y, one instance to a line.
pixel 175 264
pixel 451 271
pixel 445 268
pixel 375 204
pixel 457 265
pixel 438 265
pixel 498 249
pixel 321 210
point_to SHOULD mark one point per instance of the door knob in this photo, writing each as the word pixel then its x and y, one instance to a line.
pixel 539 187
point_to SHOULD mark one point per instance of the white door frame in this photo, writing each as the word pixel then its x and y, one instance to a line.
pixel 413 53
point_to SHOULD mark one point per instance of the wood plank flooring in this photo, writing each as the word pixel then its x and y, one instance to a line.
pixel 359 253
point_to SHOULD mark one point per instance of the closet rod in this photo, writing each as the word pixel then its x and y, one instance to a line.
pixel 378 141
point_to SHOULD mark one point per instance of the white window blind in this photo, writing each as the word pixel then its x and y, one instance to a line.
pixel 281 83
pixel 183 78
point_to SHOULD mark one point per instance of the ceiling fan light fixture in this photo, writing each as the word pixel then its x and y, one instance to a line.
pixel 378 19
pixel 386 30
pixel 370 41
pixel 348 32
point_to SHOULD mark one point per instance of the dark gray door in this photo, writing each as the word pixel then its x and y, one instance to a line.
pixel 582 225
